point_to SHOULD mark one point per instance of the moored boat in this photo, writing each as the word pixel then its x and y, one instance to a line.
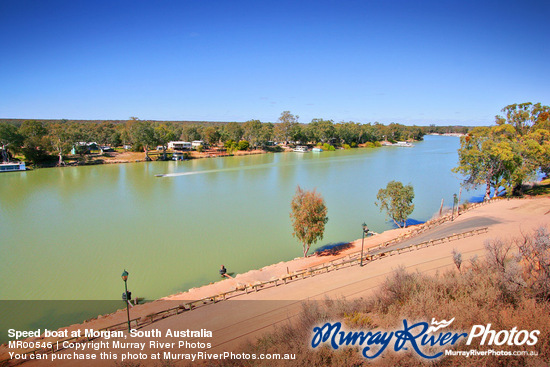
pixel 301 149
pixel 12 166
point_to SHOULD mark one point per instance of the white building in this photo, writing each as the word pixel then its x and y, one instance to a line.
pixel 180 145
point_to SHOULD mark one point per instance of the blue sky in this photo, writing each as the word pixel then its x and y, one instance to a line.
pixel 412 62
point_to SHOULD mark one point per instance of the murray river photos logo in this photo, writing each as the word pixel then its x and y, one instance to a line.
pixel 417 337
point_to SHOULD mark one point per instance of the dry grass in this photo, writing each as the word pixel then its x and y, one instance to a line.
pixel 510 288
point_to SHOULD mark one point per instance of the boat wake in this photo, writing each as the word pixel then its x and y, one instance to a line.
pixel 263 166
pixel 216 170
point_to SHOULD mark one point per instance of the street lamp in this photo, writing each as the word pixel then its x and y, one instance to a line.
pixel 125 296
pixel 365 231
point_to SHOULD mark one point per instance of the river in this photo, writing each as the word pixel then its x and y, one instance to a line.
pixel 68 233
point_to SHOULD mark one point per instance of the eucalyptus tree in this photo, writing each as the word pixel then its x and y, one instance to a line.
pixel 321 130
pixel 35 141
pixel 62 140
pixel 212 135
pixel 164 133
pixel 192 132
pixel 10 140
pixel 231 131
pixel 252 131
pixel 143 133
pixel 504 156
pixel 309 217
pixel 266 133
pixel 106 134
pixel 348 132
pixel 288 128
pixel 396 200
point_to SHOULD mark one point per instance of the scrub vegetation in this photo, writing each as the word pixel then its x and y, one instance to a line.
pixel 508 288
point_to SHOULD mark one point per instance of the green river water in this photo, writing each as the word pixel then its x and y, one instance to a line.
pixel 68 233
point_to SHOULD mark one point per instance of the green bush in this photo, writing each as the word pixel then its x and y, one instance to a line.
pixel 369 145
pixel 243 145
pixel 37 156
pixel 275 149
pixel 328 147
pixel 229 144
pixel 346 146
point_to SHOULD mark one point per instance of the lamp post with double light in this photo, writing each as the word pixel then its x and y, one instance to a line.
pixel 125 296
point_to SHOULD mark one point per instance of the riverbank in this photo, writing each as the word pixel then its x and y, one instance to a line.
pixel 503 218
pixel 136 157
pixel 121 157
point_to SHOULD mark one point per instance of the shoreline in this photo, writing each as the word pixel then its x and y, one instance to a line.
pixel 139 157
pixel 511 218
pixel 248 278
pixel 144 310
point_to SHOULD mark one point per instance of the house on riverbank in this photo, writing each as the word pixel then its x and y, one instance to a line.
pixel 179 145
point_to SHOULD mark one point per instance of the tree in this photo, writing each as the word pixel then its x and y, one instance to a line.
pixel 164 133
pixel 504 156
pixel 142 132
pixel 106 133
pixel 489 156
pixel 288 127
pixel 309 216
pixel 212 135
pixel 61 139
pixel 10 139
pixel 266 134
pixel 251 131
pixel 396 200
pixel 232 131
pixel 348 132
pixel 319 130
pixel 36 143
pixel 192 132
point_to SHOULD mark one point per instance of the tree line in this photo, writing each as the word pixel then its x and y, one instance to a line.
pixel 40 140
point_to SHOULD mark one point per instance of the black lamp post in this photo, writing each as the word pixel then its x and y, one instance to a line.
pixel 125 296
pixel 365 231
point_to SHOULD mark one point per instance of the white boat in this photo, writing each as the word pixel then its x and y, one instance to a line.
pixel 13 166
pixel 301 149
pixel 317 149
pixel 403 144
pixel 178 156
